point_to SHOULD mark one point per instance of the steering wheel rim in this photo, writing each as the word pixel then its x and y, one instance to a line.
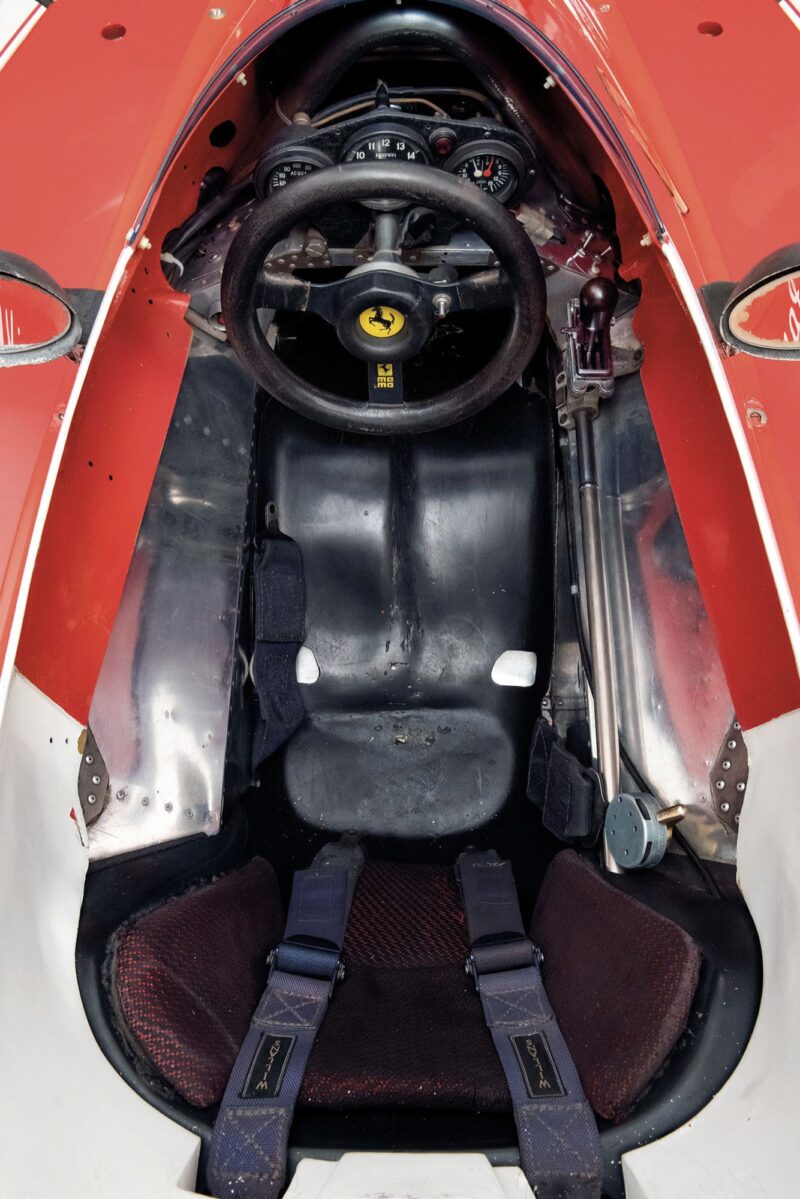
pixel 414 185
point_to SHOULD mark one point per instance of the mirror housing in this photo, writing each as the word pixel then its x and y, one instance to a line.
pixel 38 321
pixel 761 314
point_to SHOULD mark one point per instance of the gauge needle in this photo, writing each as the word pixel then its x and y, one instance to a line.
pixel 487 174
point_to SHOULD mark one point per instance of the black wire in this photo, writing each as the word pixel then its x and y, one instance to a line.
pixel 638 776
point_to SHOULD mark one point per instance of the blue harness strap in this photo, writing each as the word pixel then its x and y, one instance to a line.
pixel 248 1147
pixel 558 1138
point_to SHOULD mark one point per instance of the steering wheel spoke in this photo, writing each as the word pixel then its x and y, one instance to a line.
pixel 286 293
pixel 484 291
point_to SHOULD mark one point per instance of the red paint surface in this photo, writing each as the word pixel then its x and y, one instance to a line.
pixel 708 119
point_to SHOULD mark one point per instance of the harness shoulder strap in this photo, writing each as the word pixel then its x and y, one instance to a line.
pixel 248 1147
pixel 558 1138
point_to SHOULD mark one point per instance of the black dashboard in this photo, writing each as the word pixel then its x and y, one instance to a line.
pixel 488 154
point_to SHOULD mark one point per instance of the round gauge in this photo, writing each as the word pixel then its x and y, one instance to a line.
pixel 388 144
pixel 283 165
pixel 492 166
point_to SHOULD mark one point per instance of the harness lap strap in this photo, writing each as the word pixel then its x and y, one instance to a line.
pixel 558 1139
pixel 247 1159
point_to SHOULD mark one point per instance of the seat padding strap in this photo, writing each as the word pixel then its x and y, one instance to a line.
pixel 280 617
pixel 248 1147
pixel 558 1139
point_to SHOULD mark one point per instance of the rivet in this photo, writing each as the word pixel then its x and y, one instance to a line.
pixel 732 743
pixel 720 784
pixel 190 813
pixel 740 787
pixel 736 725
pixel 168 806
pixel 726 764
pixel 88 759
pixel 145 801
pixel 96 780
pixel 92 798
pixel 757 417
pixel 120 794
pixel 724 807
pixel 736 818
pixel 216 14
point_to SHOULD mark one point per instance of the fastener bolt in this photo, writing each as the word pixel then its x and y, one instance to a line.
pixel 145 243
pixel 549 82
pixel 241 79
pixel 646 240
pixel 442 304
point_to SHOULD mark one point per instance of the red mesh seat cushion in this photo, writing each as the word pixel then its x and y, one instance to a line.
pixel 406 1028
pixel 186 977
pixel 621 979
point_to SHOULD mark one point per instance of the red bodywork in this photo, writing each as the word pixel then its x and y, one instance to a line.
pixel 704 116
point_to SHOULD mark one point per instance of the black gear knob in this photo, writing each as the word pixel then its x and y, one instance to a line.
pixel 597 304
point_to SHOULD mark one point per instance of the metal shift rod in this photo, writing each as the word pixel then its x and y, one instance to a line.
pixel 592 372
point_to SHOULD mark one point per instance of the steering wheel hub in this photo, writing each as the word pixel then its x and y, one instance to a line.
pixel 382 315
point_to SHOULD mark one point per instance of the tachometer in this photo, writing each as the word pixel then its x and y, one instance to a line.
pixel 388 143
pixel 492 166
pixel 283 165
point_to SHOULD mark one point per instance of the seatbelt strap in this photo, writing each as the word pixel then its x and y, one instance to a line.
pixel 558 1138
pixel 248 1146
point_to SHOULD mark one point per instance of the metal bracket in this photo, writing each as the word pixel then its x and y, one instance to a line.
pixel 729 777
pixel 92 778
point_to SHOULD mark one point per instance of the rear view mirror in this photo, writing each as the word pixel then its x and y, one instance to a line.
pixel 37 320
pixel 761 315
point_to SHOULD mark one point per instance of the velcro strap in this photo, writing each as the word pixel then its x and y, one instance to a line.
pixel 280 592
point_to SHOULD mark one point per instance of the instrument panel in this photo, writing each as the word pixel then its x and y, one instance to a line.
pixel 485 153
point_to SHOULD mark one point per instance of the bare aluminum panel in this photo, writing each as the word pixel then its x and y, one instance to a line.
pixel 674 704
pixel 160 709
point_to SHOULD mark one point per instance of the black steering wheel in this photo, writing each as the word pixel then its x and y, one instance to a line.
pixel 383 311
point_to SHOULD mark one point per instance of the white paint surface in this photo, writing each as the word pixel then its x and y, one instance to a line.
pixel 744 1144
pixel 70 1128
pixel 515 668
pixel 407 1176
pixel 17 19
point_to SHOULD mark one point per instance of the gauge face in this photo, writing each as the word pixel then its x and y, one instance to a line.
pixel 286 172
pixel 493 167
pixel 386 145
pixel 283 166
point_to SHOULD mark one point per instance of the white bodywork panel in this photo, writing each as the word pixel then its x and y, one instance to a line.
pixel 70 1128
pixel 408 1176
pixel 743 1145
